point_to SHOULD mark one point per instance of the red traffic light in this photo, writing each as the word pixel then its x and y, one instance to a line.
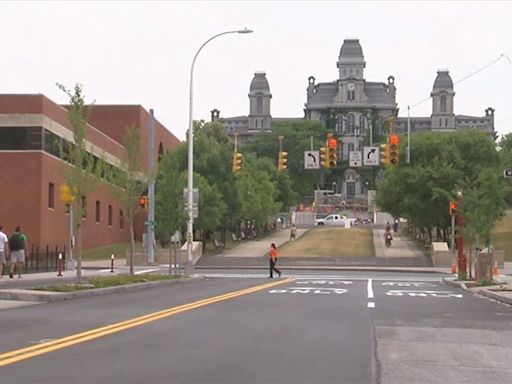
pixel 394 139
pixel 143 202
pixel 453 208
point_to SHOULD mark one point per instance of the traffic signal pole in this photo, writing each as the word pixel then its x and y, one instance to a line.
pixel 461 257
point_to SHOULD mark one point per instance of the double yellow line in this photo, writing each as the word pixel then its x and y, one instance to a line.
pixel 50 346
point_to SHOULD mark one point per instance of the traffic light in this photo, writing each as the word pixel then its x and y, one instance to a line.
pixel 65 194
pixel 394 141
pixel 324 157
pixel 282 161
pixel 384 154
pixel 332 144
pixel 143 202
pixel 453 208
pixel 237 162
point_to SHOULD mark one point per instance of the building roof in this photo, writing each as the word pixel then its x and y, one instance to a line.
pixel 259 82
pixel 351 47
pixel 443 80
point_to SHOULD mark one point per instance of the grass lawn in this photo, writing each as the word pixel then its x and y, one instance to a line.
pixel 332 242
pixel 103 253
pixel 106 281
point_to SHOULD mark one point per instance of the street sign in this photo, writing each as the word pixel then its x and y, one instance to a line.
pixel 150 223
pixel 355 159
pixel 311 160
pixel 371 155
pixel 507 173
pixel 195 200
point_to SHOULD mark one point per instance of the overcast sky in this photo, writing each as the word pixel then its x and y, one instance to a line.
pixel 141 52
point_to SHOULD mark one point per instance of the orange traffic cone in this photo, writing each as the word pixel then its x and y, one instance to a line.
pixel 454 267
pixel 495 269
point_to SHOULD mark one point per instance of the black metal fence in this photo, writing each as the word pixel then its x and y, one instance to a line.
pixel 44 259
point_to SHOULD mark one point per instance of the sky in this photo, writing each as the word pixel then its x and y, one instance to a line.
pixel 141 52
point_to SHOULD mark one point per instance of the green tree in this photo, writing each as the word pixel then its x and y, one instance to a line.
pixel 442 163
pixel 85 169
pixel 129 182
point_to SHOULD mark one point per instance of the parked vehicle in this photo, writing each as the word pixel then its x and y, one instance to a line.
pixel 335 219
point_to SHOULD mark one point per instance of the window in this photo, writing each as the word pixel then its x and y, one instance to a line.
pixel 160 154
pixel 350 123
pixel 20 138
pixel 351 147
pixel 121 219
pixel 259 105
pixel 51 195
pixel 110 215
pixel 440 122
pixel 443 104
pixel 362 125
pixel 84 207
pixel 98 211
pixel 446 122
pixel 351 95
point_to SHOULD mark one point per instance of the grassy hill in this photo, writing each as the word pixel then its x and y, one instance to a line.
pixel 332 242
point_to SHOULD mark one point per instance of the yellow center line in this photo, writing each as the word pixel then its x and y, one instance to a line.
pixel 40 349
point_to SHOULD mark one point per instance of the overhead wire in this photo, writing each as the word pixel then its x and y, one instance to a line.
pixel 503 55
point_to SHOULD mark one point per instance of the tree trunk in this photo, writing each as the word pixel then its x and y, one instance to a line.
pixel 132 247
pixel 79 255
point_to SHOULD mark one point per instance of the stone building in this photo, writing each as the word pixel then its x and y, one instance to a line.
pixel 355 108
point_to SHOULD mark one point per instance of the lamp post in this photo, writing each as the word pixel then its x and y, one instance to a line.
pixel 190 179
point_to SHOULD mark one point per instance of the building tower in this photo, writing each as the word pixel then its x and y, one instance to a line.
pixel 259 100
pixel 351 60
pixel 442 101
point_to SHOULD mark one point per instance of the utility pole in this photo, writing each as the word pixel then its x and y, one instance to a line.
pixel 151 189
pixel 408 153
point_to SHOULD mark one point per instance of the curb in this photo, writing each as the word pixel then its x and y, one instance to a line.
pixel 45 296
pixel 481 291
pixel 496 296
pixel 454 283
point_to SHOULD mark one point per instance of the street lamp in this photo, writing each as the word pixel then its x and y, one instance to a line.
pixel 190 179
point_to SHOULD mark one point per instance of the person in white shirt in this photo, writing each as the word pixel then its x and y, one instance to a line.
pixel 3 250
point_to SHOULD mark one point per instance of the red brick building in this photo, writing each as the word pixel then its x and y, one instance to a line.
pixel 32 131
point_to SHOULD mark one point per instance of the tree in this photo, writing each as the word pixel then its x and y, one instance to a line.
pixel 85 169
pixel 442 163
pixel 129 182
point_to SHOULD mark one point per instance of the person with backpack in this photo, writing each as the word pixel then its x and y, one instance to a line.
pixel 17 243
pixel 3 250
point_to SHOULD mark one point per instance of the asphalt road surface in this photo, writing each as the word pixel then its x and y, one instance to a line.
pixel 310 327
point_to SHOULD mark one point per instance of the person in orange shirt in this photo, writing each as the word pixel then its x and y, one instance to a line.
pixel 273 260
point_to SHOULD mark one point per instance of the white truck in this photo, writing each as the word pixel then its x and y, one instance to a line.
pixel 336 219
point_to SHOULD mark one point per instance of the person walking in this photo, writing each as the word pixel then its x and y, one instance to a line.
pixel 3 250
pixel 293 232
pixel 17 243
pixel 273 260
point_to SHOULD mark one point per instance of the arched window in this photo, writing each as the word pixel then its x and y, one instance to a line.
pixel 443 104
pixel 351 147
pixel 362 126
pixel 259 105
pixel 350 123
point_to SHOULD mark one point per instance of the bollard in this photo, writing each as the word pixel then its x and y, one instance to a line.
pixel 59 265
pixel 112 263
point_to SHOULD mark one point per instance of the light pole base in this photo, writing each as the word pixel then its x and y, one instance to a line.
pixel 70 265
pixel 189 268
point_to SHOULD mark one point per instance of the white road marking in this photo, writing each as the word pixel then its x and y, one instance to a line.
pixel 370 289
pixel 146 271
pixel 371 304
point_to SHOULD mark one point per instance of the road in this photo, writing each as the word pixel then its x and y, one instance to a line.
pixel 313 327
